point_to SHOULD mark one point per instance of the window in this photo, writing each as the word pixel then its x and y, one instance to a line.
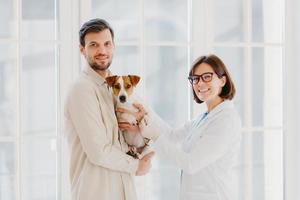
pixel 157 40
pixel 248 35
pixel 28 108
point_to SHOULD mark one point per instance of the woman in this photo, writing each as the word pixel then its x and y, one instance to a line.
pixel 209 143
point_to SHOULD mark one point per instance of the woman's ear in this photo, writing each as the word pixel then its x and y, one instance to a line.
pixel 223 79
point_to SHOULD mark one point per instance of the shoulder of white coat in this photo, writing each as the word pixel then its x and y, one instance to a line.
pixel 232 120
pixel 230 114
pixel 227 116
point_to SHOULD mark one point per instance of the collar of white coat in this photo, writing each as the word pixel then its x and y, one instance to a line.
pixel 220 107
pixel 94 75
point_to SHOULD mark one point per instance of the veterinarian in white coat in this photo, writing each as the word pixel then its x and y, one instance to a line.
pixel 100 169
pixel 209 143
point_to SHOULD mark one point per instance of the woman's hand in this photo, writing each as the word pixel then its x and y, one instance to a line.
pixel 125 126
pixel 139 115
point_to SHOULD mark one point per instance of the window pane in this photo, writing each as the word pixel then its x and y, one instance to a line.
pixel 161 22
pixel 8 90
pixel 7 19
pixel 7 171
pixel 260 170
pixel 166 82
pixel 163 180
pixel 267 86
pixel 125 61
pixel 267 20
pixel 122 15
pixel 39 90
pixel 233 58
pixel 39 169
pixel 38 19
pixel 167 93
pixel 228 24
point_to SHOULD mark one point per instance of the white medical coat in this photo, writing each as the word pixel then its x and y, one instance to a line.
pixel 99 168
pixel 208 154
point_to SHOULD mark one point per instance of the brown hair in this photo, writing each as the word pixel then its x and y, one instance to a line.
pixel 228 90
pixel 94 26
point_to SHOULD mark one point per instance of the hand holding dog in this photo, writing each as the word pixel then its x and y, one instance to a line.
pixel 132 128
pixel 138 128
pixel 144 164
pixel 139 115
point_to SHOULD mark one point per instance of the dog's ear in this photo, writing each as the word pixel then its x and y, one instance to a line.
pixel 134 79
pixel 110 80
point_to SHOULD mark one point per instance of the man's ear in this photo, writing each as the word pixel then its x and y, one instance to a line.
pixel 82 50
pixel 110 80
pixel 134 79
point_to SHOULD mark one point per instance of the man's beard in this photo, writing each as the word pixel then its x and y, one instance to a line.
pixel 95 66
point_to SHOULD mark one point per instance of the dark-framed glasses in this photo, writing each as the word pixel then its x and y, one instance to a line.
pixel 205 77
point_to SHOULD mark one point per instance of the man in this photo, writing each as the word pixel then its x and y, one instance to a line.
pixel 99 167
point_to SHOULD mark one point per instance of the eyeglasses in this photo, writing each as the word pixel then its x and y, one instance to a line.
pixel 205 77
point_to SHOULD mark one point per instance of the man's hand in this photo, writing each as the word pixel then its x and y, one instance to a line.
pixel 144 164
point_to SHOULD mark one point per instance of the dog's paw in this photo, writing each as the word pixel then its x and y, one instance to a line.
pixel 133 154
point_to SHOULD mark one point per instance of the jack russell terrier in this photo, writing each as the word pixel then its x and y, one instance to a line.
pixel 123 92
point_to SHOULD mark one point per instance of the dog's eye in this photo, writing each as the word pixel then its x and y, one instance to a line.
pixel 128 86
pixel 117 86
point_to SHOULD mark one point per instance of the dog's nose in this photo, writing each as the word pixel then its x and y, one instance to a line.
pixel 122 98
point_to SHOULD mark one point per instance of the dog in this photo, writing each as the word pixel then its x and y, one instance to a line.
pixel 122 88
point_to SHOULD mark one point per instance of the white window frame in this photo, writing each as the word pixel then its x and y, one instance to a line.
pixel 248 128
pixel 18 139
pixel 291 102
